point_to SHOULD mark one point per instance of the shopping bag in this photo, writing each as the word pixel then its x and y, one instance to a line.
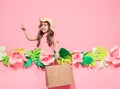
pixel 59 75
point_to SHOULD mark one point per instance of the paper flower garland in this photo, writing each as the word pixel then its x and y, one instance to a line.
pixel 98 56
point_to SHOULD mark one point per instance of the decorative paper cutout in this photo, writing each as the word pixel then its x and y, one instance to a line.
pixel 28 62
pixel 47 60
pixel 5 60
pixel 33 54
pixel 67 60
pixel 2 52
pixel 76 57
pixel 102 63
pixel 16 57
pixel 39 64
pixel 98 56
pixel 100 53
pixel 20 50
pixel 63 53
pixel 114 56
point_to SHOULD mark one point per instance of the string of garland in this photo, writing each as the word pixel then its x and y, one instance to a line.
pixel 98 56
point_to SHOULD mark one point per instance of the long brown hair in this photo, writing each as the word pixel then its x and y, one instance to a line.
pixel 50 35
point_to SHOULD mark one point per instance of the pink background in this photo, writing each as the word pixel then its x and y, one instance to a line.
pixel 79 25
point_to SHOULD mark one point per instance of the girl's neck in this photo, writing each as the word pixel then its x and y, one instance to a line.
pixel 45 34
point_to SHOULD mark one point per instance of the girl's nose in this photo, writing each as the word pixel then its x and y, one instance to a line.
pixel 42 26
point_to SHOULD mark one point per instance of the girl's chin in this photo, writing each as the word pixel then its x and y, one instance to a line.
pixel 44 31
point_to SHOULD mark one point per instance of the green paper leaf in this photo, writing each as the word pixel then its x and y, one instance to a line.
pixel 83 53
pixel 39 64
pixel 34 54
pixel 67 60
pixel 81 63
pixel 5 60
pixel 63 52
pixel 28 62
pixel 87 60
pixel 90 54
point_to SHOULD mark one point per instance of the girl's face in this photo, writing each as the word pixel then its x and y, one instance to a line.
pixel 44 27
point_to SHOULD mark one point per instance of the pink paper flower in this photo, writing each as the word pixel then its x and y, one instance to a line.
pixel 47 57
pixel 114 56
pixel 16 57
pixel 47 60
pixel 76 57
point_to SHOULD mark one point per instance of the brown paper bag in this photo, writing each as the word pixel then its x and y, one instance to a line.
pixel 59 75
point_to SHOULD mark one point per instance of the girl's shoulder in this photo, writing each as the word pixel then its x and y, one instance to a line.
pixel 55 37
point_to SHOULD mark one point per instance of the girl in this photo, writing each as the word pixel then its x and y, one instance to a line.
pixel 45 40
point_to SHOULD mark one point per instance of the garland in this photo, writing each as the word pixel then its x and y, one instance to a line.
pixel 98 56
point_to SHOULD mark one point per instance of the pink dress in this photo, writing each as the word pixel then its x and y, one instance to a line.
pixel 47 53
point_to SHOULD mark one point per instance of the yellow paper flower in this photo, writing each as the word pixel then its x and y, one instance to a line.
pixel 20 50
pixel 100 53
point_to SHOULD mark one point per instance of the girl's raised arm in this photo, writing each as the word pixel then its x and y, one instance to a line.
pixel 29 37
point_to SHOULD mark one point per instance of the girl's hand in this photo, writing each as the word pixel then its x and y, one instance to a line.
pixel 23 27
